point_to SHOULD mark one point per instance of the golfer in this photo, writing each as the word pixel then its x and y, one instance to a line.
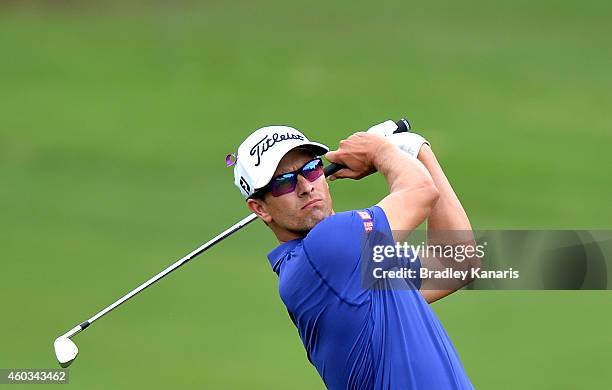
pixel 356 335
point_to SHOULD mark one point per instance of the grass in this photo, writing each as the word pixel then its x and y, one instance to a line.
pixel 115 121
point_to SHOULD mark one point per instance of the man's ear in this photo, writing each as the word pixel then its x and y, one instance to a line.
pixel 259 207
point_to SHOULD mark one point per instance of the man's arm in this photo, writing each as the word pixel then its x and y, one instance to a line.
pixel 448 224
pixel 412 192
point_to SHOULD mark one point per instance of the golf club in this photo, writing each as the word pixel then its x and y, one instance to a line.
pixel 66 350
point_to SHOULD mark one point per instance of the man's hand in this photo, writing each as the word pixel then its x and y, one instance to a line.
pixel 359 153
pixel 408 142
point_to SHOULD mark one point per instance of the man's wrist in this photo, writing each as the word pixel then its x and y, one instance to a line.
pixel 428 158
pixel 425 153
pixel 381 151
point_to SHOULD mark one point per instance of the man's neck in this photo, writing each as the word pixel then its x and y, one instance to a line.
pixel 285 236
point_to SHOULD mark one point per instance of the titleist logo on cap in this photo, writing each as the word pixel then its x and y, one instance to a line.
pixel 267 142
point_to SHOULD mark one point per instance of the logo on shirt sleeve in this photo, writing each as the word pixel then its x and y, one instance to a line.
pixel 368 225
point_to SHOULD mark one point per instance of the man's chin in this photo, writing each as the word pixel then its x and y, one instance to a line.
pixel 315 218
pixel 308 222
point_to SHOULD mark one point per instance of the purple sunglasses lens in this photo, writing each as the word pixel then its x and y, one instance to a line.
pixel 313 170
pixel 286 183
pixel 283 184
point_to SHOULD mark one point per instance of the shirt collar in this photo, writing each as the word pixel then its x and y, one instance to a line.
pixel 278 253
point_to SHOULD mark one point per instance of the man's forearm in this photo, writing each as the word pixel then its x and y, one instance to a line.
pixel 400 171
pixel 412 192
pixel 448 213
pixel 447 224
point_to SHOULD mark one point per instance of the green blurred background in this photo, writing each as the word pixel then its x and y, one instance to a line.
pixel 114 124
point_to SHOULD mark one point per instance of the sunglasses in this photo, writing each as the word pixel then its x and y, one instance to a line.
pixel 285 183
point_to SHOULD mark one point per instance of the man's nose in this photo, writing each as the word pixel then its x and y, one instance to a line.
pixel 304 187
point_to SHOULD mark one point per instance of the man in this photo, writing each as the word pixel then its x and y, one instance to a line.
pixel 357 335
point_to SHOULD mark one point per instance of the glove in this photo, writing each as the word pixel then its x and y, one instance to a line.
pixel 385 129
pixel 410 143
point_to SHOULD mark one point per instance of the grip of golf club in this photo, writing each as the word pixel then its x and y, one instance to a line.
pixel 403 126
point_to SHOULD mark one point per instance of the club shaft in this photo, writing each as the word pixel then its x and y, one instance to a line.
pixel 226 233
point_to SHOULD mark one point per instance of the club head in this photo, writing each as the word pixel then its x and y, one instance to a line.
pixel 65 351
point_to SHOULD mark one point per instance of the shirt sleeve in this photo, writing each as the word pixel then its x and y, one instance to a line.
pixel 381 252
pixel 339 250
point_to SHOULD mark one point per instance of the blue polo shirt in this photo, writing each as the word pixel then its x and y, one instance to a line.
pixel 357 334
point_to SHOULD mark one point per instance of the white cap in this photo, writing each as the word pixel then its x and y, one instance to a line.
pixel 258 156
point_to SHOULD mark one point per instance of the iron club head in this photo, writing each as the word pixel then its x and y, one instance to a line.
pixel 65 351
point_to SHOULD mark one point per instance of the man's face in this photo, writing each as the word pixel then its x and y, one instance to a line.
pixel 295 213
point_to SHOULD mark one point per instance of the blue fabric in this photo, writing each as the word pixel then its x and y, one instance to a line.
pixel 358 337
